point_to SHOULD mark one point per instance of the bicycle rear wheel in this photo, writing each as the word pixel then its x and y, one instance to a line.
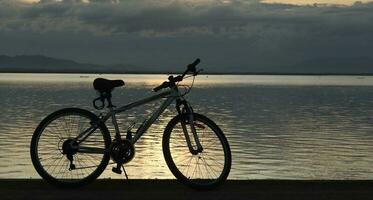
pixel 52 142
pixel 204 170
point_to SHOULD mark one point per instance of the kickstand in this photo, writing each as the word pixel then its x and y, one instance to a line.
pixel 125 173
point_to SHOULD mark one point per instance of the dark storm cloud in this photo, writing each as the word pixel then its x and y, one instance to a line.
pixel 239 18
pixel 164 16
pixel 273 35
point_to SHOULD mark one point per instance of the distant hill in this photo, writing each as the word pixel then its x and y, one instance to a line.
pixel 43 64
pixel 318 66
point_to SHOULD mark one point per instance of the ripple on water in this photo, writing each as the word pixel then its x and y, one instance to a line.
pixel 293 132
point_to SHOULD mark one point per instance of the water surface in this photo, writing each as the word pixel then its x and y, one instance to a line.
pixel 294 127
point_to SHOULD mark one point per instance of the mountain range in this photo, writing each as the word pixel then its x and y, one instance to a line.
pixel 320 66
pixel 44 64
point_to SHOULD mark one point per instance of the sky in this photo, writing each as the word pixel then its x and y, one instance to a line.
pixel 322 36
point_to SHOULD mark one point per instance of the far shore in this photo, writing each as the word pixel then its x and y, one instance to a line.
pixel 171 189
pixel 179 72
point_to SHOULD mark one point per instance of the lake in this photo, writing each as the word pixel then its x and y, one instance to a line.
pixel 278 127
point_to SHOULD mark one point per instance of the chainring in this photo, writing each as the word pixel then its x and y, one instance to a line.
pixel 122 151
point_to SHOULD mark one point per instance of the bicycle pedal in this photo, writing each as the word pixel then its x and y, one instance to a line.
pixel 116 170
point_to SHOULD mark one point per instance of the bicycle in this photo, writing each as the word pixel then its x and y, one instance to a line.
pixel 72 146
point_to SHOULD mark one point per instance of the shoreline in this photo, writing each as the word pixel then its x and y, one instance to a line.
pixel 177 72
pixel 171 189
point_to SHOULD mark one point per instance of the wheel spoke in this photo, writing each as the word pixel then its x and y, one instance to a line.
pixel 205 168
pixel 54 142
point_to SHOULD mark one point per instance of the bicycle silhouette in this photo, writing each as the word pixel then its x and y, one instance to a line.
pixel 73 146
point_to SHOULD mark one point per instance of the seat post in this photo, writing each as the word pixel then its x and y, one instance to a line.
pixel 109 100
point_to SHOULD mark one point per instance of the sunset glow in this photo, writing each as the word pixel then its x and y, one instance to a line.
pixel 36 1
pixel 311 2
pixel 297 2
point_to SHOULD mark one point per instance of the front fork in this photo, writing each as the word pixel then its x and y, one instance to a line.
pixel 188 111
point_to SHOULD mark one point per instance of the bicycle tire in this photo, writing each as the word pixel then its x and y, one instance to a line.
pixel 36 160
pixel 173 166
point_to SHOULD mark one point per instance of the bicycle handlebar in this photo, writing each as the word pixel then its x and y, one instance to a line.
pixel 163 85
pixel 172 80
pixel 192 67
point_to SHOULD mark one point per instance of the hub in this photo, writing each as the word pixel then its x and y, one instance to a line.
pixel 70 147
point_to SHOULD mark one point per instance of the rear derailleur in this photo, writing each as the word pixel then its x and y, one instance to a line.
pixel 70 148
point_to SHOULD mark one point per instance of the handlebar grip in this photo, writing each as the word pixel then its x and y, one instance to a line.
pixel 192 67
pixel 196 62
pixel 156 89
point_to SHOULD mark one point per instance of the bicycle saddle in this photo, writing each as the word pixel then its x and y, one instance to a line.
pixel 105 85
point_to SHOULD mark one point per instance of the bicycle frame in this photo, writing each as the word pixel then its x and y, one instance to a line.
pixel 170 95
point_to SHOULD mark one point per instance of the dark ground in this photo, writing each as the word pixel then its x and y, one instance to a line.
pixel 170 189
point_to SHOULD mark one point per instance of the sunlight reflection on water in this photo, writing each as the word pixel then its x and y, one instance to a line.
pixel 288 127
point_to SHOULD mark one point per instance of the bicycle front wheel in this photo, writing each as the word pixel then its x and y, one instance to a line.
pixel 59 159
pixel 206 169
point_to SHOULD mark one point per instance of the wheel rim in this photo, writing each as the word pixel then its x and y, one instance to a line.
pixel 49 148
pixel 205 168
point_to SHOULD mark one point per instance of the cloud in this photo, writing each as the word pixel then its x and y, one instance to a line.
pixel 120 17
pixel 170 18
pixel 264 36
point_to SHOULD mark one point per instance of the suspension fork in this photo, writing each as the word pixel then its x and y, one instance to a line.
pixel 188 110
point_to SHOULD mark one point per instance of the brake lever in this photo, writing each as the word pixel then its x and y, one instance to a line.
pixel 197 72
